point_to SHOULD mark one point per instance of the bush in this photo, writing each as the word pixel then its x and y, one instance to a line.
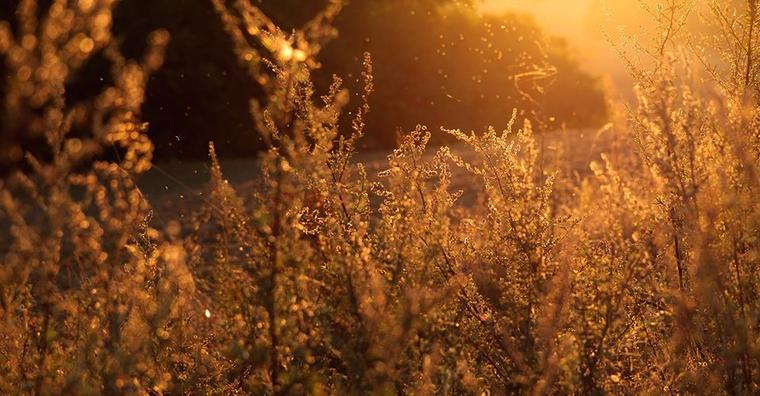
pixel 639 276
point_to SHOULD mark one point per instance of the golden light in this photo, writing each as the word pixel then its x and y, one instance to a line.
pixel 589 26
pixel 86 45
pixel 285 52
pixel 299 55
pixel 86 5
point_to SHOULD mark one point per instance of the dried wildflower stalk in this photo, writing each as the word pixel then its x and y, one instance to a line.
pixel 637 277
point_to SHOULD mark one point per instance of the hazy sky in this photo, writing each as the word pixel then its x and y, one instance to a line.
pixel 564 17
pixel 587 24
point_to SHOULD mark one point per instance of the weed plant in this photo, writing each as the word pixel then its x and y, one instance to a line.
pixel 638 277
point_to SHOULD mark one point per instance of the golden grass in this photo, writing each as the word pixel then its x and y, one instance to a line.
pixel 638 277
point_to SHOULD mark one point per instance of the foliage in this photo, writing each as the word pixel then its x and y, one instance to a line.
pixel 638 277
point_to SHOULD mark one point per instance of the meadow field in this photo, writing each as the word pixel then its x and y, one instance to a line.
pixel 602 236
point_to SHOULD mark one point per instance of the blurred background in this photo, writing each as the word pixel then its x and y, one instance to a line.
pixel 458 64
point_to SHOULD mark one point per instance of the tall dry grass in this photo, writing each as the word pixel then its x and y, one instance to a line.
pixel 639 277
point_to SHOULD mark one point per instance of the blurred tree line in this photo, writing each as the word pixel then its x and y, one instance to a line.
pixel 436 62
